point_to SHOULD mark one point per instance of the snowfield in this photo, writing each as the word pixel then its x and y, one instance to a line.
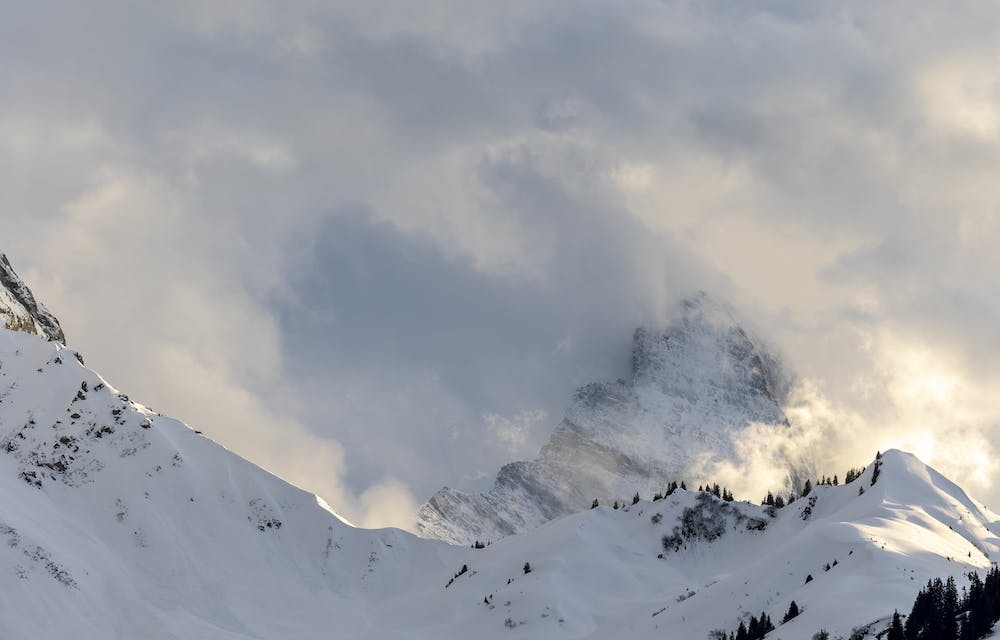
pixel 117 522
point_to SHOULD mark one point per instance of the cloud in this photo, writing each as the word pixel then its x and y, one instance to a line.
pixel 388 503
pixel 339 238
pixel 914 396
pixel 513 432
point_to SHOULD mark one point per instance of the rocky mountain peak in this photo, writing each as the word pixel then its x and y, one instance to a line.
pixel 697 383
pixel 698 325
pixel 706 348
pixel 20 311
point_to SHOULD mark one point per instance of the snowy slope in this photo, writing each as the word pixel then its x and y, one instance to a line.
pixel 118 522
pixel 694 386
pixel 20 311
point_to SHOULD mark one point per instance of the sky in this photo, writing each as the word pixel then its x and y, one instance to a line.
pixel 373 246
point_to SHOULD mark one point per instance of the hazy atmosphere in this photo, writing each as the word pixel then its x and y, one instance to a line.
pixel 373 247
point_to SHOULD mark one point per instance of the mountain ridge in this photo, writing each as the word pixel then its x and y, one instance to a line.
pixel 109 507
pixel 119 522
pixel 694 385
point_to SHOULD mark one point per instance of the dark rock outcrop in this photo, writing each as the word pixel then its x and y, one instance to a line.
pixel 20 311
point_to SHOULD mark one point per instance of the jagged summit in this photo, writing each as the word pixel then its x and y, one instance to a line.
pixel 20 311
pixel 695 385
pixel 705 349
pixel 704 332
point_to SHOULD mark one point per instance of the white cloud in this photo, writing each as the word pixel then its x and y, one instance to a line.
pixel 548 177
pixel 513 432
pixel 961 94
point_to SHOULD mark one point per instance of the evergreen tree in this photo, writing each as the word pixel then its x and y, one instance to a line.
pixel 635 498
pixel 896 629
pixel 928 618
pixel 741 632
pixel 779 502
pixel 807 489
pixel 966 632
pixel 527 568
pixel 594 504
pixel 793 610
pixel 981 605
pixel 766 626
pixel 949 610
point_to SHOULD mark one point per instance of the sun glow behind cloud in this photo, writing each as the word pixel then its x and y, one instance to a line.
pixel 934 409
pixel 922 382
pixel 962 94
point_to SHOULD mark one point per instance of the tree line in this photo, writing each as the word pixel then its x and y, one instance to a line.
pixel 771 499
pixel 939 613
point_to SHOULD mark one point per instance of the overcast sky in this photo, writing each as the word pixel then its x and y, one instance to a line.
pixel 373 246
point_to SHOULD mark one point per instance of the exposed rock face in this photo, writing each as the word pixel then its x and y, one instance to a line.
pixel 693 386
pixel 20 311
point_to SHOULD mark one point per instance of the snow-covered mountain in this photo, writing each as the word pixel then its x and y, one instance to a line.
pixel 693 388
pixel 117 522
pixel 20 311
